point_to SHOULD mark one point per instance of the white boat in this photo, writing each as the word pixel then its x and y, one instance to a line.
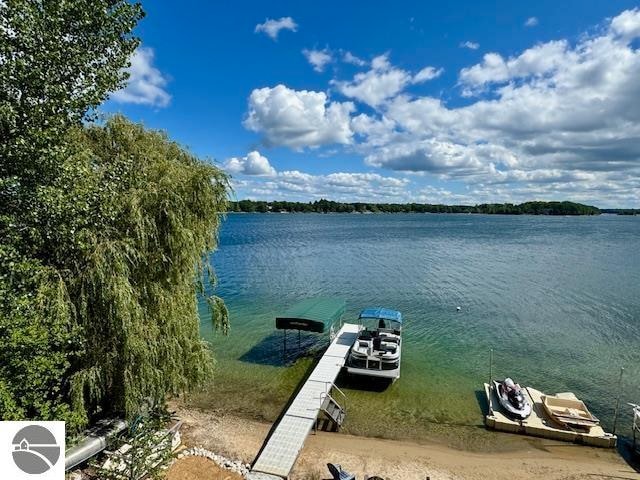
pixel 378 349
pixel 512 398
pixel 568 412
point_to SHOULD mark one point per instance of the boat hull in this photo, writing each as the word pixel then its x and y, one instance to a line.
pixel 371 372
pixel 569 413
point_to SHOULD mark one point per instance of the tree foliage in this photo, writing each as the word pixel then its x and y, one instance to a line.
pixel 327 206
pixel 148 214
pixel 104 229
pixel 133 218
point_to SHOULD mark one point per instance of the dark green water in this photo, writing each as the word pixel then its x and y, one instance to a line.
pixel 557 298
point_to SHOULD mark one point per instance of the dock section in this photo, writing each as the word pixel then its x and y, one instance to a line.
pixel 538 424
pixel 282 448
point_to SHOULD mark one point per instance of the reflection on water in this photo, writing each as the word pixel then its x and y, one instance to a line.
pixel 558 299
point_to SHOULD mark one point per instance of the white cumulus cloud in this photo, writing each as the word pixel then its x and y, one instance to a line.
pixel 339 186
pixel 298 119
pixel 540 60
pixel 146 84
pixel 627 24
pixel 531 22
pixel 426 74
pixel 349 57
pixel 470 45
pixel 273 27
pixel 382 82
pixel 318 58
pixel 252 164
pixel 560 119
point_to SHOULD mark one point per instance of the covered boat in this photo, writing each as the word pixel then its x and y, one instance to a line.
pixel 378 349
pixel 569 412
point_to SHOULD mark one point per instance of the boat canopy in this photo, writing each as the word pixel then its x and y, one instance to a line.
pixel 381 313
pixel 312 314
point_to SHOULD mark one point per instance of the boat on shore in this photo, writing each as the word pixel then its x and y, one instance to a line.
pixel 512 398
pixel 377 351
pixel 569 412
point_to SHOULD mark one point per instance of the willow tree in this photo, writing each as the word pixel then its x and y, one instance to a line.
pixel 111 323
pixel 149 215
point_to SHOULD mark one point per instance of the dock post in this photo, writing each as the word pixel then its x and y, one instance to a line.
pixel 284 353
pixel 490 366
pixel 635 429
pixel 615 416
pixel 490 380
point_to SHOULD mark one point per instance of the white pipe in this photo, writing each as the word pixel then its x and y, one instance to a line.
pixel 92 444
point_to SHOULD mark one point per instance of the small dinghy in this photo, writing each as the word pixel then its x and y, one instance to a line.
pixel 568 412
pixel 512 399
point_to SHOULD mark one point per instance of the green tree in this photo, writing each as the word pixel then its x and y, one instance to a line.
pixel 58 61
pixel 148 219
pixel 104 230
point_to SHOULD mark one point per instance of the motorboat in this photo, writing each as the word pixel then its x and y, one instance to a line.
pixel 569 412
pixel 377 350
pixel 512 398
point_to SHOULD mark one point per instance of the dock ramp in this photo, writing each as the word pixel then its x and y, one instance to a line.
pixel 281 450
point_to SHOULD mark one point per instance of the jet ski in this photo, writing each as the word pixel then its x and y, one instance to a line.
pixel 512 399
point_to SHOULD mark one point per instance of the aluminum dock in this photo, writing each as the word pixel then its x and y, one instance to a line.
pixel 281 450
pixel 538 424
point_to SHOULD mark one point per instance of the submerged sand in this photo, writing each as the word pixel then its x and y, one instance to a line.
pixel 522 458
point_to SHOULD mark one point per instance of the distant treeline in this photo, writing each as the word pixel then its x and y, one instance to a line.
pixel 621 211
pixel 327 206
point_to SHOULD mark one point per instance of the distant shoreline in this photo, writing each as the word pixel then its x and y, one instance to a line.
pixel 327 206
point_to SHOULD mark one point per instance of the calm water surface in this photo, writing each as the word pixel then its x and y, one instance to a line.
pixel 557 298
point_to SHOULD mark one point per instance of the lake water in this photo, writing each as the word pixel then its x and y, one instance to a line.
pixel 557 298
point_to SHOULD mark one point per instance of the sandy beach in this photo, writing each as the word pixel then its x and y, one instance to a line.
pixel 526 458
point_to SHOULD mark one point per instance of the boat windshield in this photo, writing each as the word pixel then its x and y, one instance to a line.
pixel 380 323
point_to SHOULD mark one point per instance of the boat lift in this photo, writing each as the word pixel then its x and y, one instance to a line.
pixel 312 315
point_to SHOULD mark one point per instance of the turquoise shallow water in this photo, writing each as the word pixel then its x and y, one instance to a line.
pixel 557 298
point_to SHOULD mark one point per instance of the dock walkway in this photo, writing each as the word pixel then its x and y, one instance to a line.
pixel 282 448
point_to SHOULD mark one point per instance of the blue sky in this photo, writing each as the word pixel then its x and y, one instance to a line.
pixel 457 102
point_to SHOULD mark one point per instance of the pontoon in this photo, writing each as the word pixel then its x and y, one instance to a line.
pixel 377 350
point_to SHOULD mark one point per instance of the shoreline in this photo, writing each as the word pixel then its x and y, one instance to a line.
pixel 529 458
